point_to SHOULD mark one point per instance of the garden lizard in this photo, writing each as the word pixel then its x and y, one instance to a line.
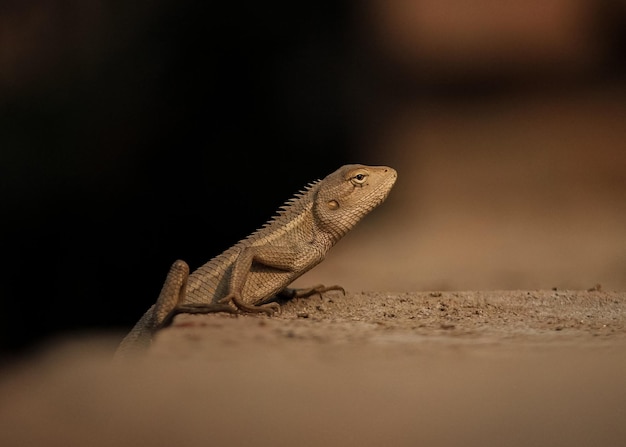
pixel 252 274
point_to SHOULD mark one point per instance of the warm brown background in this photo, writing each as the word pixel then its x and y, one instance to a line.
pixel 523 186
pixel 133 134
pixel 501 194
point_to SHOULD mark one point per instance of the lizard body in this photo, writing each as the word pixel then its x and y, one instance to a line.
pixel 251 274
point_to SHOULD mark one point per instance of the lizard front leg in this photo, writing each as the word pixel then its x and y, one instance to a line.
pixel 275 257
pixel 280 258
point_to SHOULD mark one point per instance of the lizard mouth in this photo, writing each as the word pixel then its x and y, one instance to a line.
pixel 385 187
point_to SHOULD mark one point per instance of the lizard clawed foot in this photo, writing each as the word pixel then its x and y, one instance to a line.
pixel 319 289
pixel 221 306
pixel 195 308
pixel 268 309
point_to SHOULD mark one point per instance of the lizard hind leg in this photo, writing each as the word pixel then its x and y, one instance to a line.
pixel 268 309
pixel 319 289
pixel 173 292
pixel 221 306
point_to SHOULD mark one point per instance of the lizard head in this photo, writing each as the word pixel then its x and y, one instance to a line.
pixel 350 193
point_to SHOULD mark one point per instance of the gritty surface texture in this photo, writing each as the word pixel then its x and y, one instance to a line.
pixel 414 318
pixel 512 368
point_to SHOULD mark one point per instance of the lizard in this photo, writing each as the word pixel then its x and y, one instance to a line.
pixel 251 275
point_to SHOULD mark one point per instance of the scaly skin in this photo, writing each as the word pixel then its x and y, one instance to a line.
pixel 249 276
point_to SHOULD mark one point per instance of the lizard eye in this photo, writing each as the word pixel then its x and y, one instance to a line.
pixel 358 179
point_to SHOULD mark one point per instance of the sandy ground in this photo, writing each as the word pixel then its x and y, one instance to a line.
pixel 431 368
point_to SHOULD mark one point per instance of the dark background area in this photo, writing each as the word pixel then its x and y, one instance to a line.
pixel 136 133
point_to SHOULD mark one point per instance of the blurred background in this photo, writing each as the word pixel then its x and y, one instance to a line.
pixel 136 133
